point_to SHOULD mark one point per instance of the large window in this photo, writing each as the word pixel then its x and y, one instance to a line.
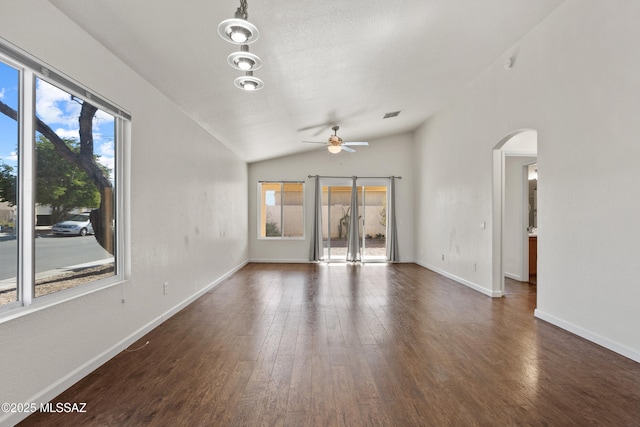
pixel 281 209
pixel 60 185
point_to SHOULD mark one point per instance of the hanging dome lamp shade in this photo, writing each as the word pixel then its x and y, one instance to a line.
pixel 248 82
pixel 238 30
pixel 244 60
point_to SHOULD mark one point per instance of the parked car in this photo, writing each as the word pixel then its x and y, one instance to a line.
pixel 77 225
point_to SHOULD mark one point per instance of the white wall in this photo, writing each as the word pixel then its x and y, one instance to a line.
pixel 575 81
pixel 383 157
pixel 188 223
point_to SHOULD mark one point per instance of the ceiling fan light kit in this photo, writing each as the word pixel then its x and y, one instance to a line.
pixel 238 30
pixel 335 144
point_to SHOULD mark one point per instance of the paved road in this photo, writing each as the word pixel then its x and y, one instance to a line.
pixel 52 252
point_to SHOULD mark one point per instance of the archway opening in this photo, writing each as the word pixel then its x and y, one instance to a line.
pixel 516 149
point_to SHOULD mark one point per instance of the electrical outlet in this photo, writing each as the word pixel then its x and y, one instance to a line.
pixel 166 288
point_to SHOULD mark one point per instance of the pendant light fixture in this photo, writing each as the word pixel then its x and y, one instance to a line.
pixel 238 30
pixel 244 60
pixel 248 82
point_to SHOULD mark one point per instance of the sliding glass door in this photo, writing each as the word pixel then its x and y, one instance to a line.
pixel 336 214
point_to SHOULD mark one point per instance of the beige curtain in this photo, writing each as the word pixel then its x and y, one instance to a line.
pixel 353 239
pixel 392 234
pixel 316 253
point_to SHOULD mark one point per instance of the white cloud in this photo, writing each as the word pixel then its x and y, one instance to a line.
pixel 106 149
pixel 54 106
pixel 68 133
pixel 107 162
pixel 106 152
pixel 57 108
pixel 11 159
pixel 2 93
pixel 103 118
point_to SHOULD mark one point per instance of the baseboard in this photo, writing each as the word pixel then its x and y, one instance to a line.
pixel 517 277
pixel 623 350
pixel 82 371
pixel 474 286
pixel 306 261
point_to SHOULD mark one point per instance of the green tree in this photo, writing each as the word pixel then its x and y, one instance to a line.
pixel 272 230
pixel 101 218
pixel 60 184
pixel 7 184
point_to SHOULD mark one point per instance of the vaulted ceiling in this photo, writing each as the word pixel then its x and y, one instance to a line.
pixel 324 62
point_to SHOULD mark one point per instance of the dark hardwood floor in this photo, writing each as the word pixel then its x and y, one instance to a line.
pixel 353 345
pixel 512 287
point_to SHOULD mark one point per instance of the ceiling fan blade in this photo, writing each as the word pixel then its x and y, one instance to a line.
pixel 347 149
pixel 314 142
pixel 321 130
pixel 311 127
pixel 322 127
pixel 355 143
pixel 331 120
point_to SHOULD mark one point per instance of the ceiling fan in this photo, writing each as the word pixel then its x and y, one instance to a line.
pixel 335 144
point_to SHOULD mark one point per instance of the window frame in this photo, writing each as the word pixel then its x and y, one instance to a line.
pixel 282 216
pixel 29 69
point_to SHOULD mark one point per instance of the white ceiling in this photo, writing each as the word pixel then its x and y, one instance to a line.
pixel 324 62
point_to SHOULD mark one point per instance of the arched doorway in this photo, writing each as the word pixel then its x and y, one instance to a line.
pixel 522 142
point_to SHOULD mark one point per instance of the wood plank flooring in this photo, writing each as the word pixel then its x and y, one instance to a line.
pixel 354 345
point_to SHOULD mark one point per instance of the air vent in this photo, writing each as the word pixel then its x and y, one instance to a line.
pixel 392 114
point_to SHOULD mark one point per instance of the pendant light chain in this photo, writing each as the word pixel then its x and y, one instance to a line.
pixel 243 6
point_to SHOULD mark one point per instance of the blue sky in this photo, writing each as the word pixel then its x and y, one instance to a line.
pixel 8 127
pixel 55 108
pixel 270 198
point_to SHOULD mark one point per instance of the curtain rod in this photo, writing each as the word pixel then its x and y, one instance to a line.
pixel 286 181
pixel 363 177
